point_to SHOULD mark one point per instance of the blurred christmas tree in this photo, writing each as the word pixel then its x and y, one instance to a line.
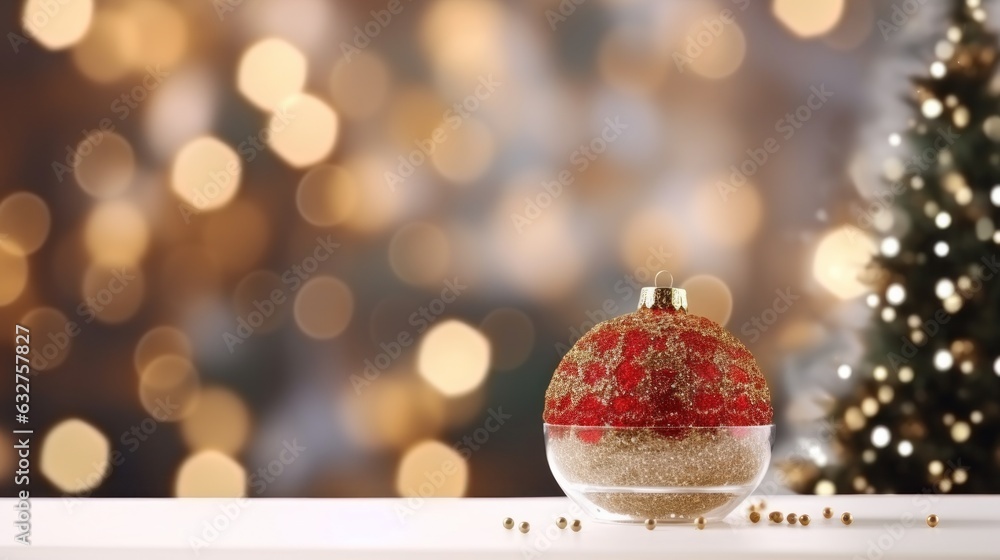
pixel 925 414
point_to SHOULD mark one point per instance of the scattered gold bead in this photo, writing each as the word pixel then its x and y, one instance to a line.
pixel 561 522
pixel 804 519
pixel 792 518
pixel 828 512
pixel 761 505
pixel 776 516
pixel 524 527
pixel 699 523
pixel 651 524
pixel 754 517
pixel 847 518
pixel 576 526
pixel 508 523
pixel 932 520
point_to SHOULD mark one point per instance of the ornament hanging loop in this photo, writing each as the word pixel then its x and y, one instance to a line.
pixel 656 279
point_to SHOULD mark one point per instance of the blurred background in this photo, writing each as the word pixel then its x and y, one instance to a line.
pixel 310 248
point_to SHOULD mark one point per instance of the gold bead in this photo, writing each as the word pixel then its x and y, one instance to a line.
pixel 561 522
pixel 651 524
pixel 776 516
pixel 754 517
pixel 792 518
pixel 508 523
pixel 932 520
pixel 761 505
pixel 804 519
pixel 576 526
pixel 828 512
pixel 699 523
pixel 524 527
pixel 847 518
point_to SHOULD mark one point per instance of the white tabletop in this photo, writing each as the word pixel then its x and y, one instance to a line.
pixel 109 529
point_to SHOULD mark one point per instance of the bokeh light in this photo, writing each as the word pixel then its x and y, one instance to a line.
pixel 15 272
pixel 359 86
pixel 841 256
pixel 511 334
pixel 729 217
pixel 270 71
pixel 210 474
pixel 168 388
pixel 106 53
pixel 808 18
pixel 112 295
pixel 75 456
pixel 303 130
pixel 462 37
pixel 327 195
pixel 420 253
pixel 720 55
pixel 466 153
pixel 393 412
pixel 650 243
pixel 106 164
pixel 709 296
pixel 220 420
pixel 57 25
pixel 50 326
pixel 453 357
pixel 116 234
pixel 25 221
pixel 160 341
pixel 206 173
pixel 432 469
pixel 323 307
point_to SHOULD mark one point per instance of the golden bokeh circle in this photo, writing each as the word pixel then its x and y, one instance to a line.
pixel 220 420
pixel 15 272
pixel 393 411
pixel 206 173
pixel 210 474
pixel 432 469
pixel 105 164
pixel 168 388
pixel 75 456
pixel 269 71
pixel 25 222
pixel 116 234
pixel 420 254
pixel 112 295
pixel 710 297
pixel 840 258
pixel 303 130
pixel 466 153
pixel 160 341
pixel 324 306
pixel 107 52
pixel 453 357
pixel 57 25
pixel 327 195
pixel 808 18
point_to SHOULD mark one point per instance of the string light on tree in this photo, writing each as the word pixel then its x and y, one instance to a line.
pixel 934 308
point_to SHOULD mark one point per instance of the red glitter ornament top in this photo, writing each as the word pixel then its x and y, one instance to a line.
pixel 658 367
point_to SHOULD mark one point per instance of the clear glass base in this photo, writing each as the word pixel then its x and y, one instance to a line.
pixel 672 475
